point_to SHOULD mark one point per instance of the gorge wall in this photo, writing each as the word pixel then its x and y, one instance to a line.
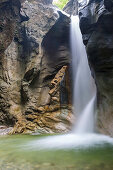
pixel 96 23
pixel 35 74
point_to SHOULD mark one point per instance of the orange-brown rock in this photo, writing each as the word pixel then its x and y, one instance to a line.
pixel 57 80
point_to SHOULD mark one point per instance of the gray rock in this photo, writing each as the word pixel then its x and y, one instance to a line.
pixel 34 46
pixel 96 23
pixel 71 7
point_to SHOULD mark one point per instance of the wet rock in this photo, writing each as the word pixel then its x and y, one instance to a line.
pixel 96 23
pixel 5 130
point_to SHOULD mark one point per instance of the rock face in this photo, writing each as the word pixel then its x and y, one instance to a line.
pixel 34 53
pixel 35 74
pixel 96 22
pixel 9 20
pixel 71 7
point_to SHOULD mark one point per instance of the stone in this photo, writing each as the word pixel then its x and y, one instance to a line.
pixel 108 4
pixel 34 46
pixel 57 80
pixel 71 7
pixel 4 130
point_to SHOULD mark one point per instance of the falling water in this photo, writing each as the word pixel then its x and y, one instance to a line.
pixel 83 135
pixel 84 85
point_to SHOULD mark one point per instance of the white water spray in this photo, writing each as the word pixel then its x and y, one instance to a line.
pixel 84 85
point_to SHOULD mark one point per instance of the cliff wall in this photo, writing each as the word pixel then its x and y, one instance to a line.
pixel 34 67
pixel 96 24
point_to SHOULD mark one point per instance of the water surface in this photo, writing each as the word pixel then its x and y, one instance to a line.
pixel 16 155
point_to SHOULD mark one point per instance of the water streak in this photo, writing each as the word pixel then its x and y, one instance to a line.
pixel 84 85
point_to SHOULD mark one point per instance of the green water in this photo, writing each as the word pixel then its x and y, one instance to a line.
pixel 15 156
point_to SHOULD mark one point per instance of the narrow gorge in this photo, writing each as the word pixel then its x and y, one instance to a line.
pixel 35 64
pixel 56 76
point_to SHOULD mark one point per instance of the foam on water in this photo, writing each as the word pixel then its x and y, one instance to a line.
pixel 70 141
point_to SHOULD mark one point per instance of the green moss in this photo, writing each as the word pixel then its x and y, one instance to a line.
pixel 60 3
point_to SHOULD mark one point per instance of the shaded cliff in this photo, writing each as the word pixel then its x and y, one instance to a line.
pixel 96 24
pixel 9 21
pixel 34 67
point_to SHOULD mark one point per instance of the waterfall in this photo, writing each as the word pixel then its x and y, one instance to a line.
pixel 83 82
pixel 84 97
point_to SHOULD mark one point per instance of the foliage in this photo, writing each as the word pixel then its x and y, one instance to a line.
pixel 60 3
